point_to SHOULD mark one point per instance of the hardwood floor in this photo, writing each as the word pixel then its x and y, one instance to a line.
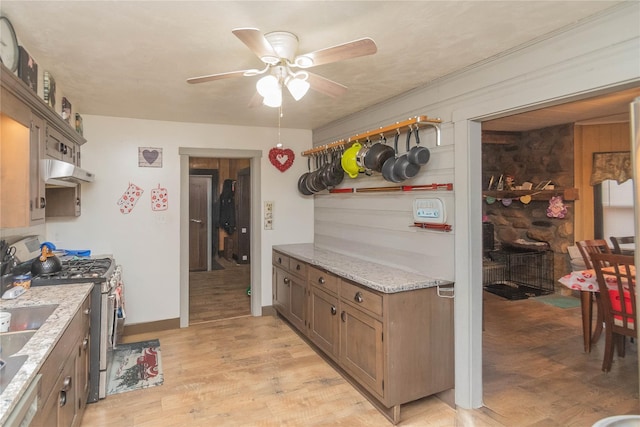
pixel 252 371
pixel 219 294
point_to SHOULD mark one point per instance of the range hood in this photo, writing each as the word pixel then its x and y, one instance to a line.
pixel 65 174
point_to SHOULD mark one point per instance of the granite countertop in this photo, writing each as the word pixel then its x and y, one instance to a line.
pixel 69 298
pixel 370 274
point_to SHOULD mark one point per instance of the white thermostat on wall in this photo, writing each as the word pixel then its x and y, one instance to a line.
pixel 429 209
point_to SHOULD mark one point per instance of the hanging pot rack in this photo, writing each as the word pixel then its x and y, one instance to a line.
pixel 381 132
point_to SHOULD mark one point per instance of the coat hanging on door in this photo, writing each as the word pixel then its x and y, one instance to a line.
pixel 227 206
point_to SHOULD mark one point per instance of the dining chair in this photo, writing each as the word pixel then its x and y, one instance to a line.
pixel 586 248
pixel 617 284
pixel 617 241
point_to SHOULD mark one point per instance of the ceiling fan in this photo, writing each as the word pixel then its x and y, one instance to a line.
pixel 277 50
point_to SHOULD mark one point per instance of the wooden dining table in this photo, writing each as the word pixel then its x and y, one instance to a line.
pixel 586 281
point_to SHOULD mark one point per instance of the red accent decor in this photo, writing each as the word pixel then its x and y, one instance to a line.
pixel 281 159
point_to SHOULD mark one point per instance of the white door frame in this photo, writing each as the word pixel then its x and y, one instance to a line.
pixel 255 237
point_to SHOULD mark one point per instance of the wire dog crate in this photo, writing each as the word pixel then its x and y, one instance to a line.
pixel 518 274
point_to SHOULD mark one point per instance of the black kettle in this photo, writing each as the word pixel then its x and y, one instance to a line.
pixel 46 263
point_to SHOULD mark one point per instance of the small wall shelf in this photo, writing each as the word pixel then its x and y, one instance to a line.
pixel 567 194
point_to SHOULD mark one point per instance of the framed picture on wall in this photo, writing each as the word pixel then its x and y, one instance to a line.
pixel 149 157
pixel 27 69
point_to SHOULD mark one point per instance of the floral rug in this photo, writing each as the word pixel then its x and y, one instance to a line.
pixel 135 366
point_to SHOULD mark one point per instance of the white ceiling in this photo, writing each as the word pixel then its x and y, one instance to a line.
pixel 131 58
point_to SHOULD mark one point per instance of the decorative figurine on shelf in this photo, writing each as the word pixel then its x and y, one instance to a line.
pixel 509 182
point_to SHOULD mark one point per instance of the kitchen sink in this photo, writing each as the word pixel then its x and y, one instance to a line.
pixel 29 318
pixel 24 323
pixel 10 344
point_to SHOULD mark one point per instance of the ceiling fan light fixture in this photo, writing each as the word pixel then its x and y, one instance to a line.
pixel 268 85
pixel 273 99
pixel 298 87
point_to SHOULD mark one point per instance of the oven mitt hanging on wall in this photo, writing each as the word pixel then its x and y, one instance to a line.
pixel 159 199
pixel 129 199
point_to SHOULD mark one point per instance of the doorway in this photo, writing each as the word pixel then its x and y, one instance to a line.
pixel 218 283
pixel 252 279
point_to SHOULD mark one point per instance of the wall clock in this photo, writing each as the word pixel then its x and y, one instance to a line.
pixel 9 45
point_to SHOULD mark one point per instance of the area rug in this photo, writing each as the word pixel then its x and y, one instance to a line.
pixel 135 366
pixel 559 301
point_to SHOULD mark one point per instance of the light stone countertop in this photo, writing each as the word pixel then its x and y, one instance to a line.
pixel 376 276
pixel 69 298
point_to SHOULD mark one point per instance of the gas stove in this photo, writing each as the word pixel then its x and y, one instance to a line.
pixel 77 270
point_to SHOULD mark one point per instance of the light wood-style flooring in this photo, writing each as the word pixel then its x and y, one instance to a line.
pixel 255 371
pixel 219 294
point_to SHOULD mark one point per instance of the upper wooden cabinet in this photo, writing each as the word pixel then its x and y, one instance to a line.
pixel 31 130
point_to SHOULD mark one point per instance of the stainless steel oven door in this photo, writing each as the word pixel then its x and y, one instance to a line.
pixel 106 336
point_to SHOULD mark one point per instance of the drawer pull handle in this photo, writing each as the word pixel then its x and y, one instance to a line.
pixel 286 281
pixel 298 267
pixel 87 310
pixel 358 297
pixel 66 385
pixel 62 400
pixel 334 310
pixel 321 280
pixel 343 316
pixel 85 343
pixel 279 260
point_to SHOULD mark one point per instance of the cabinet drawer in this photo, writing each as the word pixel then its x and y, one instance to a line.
pixel 361 297
pixel 280 260
pixel 323 280
pixel 298 268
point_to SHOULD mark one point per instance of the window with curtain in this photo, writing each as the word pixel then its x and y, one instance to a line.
pixel 615 166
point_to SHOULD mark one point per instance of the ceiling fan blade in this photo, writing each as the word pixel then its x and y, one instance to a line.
pixel 326 86
pixel 256 100
pixel 255 40
pixel 352 49
pixel 220 76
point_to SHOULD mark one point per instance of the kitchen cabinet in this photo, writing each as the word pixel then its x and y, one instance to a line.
pixel 290 289
pixel 323 311
pixel 58 147
pixel 30 130
pixel 64 383
pixel 394 347
pixel 22 201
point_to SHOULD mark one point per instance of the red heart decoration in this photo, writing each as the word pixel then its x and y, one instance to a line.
pixel 281 159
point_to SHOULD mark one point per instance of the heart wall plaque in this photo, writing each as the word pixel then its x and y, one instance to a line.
pixel 149 157
pixel 282 159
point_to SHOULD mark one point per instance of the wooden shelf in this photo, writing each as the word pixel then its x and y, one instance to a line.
pixel 567 194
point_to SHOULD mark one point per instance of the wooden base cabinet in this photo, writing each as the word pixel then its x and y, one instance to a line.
pixel 395 348
pixel 64 385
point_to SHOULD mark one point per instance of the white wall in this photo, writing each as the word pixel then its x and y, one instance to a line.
pixel 595 55
pixel 146 243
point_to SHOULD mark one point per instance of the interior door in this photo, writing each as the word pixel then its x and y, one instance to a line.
pixel 199 191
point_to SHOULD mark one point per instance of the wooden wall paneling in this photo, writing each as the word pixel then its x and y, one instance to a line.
pixel 378 226
pixel 591 139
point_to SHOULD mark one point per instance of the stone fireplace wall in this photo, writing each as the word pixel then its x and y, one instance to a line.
pixel 534 156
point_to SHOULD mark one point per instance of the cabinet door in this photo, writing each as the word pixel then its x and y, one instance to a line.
pixel 361 350
pixel 281 291
pixel 54 143
pixel 37 201
pixel 66 392
pixel 82 373
pixel 324 326
pixel 297 303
